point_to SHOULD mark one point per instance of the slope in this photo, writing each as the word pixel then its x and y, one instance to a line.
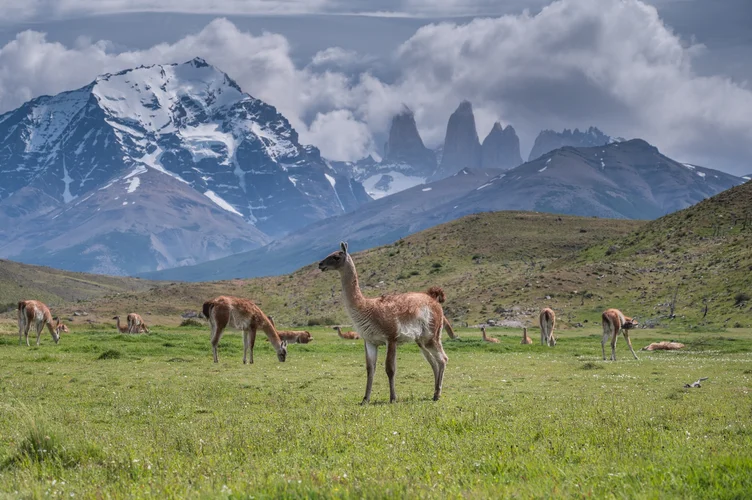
pixel 21 281
pixel 629 179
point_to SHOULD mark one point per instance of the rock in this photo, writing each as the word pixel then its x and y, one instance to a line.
pixel 501 148
pixel 189 314
pixel 406 146
pixel 548 140
pixel 461 144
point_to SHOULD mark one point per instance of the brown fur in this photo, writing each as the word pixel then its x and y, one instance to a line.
pixel 613 321
pixel 349 335
pixel 486 338
pixel 244 315
pixel 525 338
pixel 294 336
pixel 547 322
pixel 34 312
pixel 663 346
pixel 136 324
pixel 391 319
pixel 437 294
pixel 126 328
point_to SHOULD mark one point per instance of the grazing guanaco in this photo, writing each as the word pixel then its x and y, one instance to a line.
pixel 37 313
pixel 437 293
pixel 525 338
pixel 136 324
pixel 244 315
pixel 614 321
pixel 390 320
pixel 126 328
pixel 547 323
pixel 349 335
pixel 486 338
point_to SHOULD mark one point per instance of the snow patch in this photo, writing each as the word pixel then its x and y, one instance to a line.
pixel 544 168
pixel 67 197
pixel 377 186
pixel 701 174
pixel 483 186
pixel 548 161
pixel 133 184
pixel 221 203
pixel 294 180
pixel 333 182
pixel 426 189
pixel 689 166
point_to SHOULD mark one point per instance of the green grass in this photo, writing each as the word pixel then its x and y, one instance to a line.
pixel 161 420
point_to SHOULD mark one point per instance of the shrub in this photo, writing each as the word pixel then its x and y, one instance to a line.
pixel 325 320
pixel 110 354
pixel 191 322
pixel 741 297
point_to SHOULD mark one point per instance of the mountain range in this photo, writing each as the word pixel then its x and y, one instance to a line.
pixel 407 162
pixel 623 180
pixel 172 172
pixel 155 167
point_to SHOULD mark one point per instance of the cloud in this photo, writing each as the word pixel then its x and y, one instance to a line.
pixel 341 135
pixel 610 63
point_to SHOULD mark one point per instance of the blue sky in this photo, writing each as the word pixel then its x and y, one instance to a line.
pixel 674 72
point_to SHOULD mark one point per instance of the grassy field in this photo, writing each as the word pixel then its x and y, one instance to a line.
pixel 104 415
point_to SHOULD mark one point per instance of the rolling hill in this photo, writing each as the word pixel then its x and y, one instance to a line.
pixel 55 287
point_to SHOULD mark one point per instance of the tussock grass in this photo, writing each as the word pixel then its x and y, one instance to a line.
pixel 110 354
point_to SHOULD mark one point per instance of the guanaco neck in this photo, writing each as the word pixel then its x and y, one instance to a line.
pixel 271 333
pixel 483 332
pixel 350 288
pixel 339 330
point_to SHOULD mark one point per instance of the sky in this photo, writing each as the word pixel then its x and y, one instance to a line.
pixel 676 73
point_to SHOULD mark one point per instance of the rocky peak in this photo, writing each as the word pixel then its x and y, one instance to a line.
pixel 461 145
pixel 548 140
pixel 501 148
pixel 406 146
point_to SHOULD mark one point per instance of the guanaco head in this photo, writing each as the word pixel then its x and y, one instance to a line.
pixel 629 323
pixel 282 353
pixel 116 317
pixel 335 260
pixel 57 329
pixel 305 337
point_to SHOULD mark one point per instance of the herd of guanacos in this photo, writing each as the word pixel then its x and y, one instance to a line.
pixel 386 320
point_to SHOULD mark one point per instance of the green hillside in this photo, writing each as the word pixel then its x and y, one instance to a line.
pixel 56 287
pixel 480 260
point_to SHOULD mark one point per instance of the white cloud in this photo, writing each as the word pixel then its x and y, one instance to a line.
pixel 341 135
pixel 610 63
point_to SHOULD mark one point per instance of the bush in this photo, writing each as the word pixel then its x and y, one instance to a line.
pixel 191 322
pixel 326 320
pixel 741 297
pixel 110 354
pixel 437 265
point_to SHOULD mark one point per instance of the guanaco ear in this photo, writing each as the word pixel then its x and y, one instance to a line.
pixel 284 344
pixel 343 246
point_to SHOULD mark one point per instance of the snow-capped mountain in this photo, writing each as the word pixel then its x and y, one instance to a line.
pixel 177 135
